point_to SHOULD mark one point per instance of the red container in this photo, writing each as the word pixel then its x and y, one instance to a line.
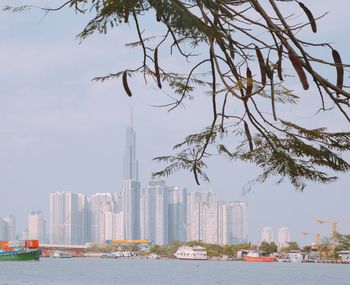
pixel 4 244
pixel 32 243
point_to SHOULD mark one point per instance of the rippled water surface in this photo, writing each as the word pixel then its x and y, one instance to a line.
pixel 168 272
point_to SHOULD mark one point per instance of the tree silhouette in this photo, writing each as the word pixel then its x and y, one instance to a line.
pixel 244 54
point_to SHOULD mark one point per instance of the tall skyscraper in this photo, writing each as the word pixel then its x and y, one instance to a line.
pixel 131 186
pixel 130 164
pixel 267 234
pixel 64 222
pixel 283 237
pixel 131 209
pixel 37 226
pixel 177 218
pixel 154 214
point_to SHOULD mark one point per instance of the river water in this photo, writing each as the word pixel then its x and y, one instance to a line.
pixel 89 271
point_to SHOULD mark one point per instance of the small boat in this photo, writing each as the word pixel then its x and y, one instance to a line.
pixel 256 257
pixel 191 253
pixel 153 256
pixel 61 254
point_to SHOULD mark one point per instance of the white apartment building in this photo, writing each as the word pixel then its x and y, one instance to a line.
pixel 283 237
pixel 154 212
pixel 64 222
pixel 267 234
pixel 235 222
pixel 100 204
pixel 37 226
pixel 177 218
pixel 202 216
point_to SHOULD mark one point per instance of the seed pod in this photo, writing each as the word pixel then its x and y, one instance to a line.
pixel 126 16
pixel 309 16
pixel 125 83
pixel 156 67
pixel 262 65
pixel 249 136
pixel 249 82
pixel 232 50
pixel 268 70
pixel 340 69
pixel 294 59
pixel 279 62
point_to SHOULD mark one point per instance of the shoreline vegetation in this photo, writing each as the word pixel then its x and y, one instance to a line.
pixel 326 252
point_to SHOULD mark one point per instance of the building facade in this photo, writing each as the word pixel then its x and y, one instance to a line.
pixel 267 234
pixel 37 226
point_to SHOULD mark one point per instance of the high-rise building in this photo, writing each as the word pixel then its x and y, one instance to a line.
pixel 2 229
pixel 10 228
pixel 64 222
pixel 131 186
pixel 154 214
pixel 177 217
pixel 202 216
pixel 83 219
pixel 131 209
pixel 283 237
pixel 235 222
pixel 267 234
pixel 100 204
pixel 37 226
pixel 130 164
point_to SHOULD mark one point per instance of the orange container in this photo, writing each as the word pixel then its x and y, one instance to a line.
pixel 4 244
pixel 32 243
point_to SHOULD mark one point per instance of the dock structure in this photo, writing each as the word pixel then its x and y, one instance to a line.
pixel 74 250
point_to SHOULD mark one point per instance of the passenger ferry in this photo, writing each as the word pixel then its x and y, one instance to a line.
pixel 191 253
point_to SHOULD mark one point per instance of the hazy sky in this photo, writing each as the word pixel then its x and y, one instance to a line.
pixel 61 132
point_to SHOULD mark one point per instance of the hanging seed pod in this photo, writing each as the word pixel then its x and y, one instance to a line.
pixel 126 15
pixel 156 67
pixel 125 83
pixel 309 16
pixel 294 59
pixel 279 62
pixel 249 88
pixel 340 69
pixel 268 69
pixel 262 65
pixel 249 136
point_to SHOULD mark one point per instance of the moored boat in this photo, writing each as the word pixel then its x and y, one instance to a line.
pixel 20 255
pixel 61 254
pixel 256 257
pixel 19 250
pixel 191 253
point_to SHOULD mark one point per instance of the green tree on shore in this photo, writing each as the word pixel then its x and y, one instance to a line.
pixel 268 247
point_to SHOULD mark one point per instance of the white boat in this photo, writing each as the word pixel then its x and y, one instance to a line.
pixel 191 253
pixel 61 254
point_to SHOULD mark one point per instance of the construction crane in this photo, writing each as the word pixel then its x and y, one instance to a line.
pixel 334 225
pixel 317 237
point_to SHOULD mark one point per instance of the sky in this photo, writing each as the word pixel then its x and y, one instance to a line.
pixel 59 131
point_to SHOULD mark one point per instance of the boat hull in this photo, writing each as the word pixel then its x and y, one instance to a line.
pixel 259 258
pixel 20 256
